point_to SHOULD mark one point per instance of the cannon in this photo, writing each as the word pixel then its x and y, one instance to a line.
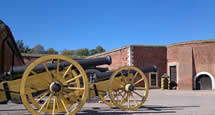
pixel 55 84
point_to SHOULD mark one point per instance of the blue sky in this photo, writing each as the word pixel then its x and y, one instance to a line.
pixel 74 24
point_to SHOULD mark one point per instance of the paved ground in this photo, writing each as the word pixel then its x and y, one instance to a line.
pixel 158 103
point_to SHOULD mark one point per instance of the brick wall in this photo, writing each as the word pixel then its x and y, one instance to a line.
pixel 149 56
pixel 119 58
pixel 29 59
pixel 139 56
pixel 191 59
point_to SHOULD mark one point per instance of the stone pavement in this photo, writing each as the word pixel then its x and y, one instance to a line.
pixel 158 103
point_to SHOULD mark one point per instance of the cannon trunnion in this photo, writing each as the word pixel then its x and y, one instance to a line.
pixel 55 84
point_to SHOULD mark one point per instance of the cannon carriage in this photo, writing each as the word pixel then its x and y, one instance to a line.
pixel 55 84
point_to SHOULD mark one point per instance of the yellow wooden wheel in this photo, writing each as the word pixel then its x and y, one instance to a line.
pixel 128 88
pixel 54 89
pixel 105 98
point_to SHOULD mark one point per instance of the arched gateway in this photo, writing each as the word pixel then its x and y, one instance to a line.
pixel 204 81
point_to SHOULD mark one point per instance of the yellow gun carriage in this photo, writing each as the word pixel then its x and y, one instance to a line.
pixel 58 84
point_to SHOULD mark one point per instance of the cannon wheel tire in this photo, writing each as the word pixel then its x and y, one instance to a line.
pixel 128 91
pixel 63 89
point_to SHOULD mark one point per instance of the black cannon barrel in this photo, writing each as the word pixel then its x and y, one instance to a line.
pixel 85 63
pixel 106 75
pixel 95 61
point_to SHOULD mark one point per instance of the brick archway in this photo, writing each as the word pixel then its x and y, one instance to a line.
pixel 204 73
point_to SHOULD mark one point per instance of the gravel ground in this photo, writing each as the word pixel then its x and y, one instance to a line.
pixel 158 103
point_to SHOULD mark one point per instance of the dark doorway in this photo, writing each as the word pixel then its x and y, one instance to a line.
pixel 173 73
pixel 153 79
pixel 173 77
pixel 203 82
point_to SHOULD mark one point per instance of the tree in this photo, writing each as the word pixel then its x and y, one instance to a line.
pixel 38 49
pixel 20 45
pixel 100 49
pixel 23 48
pixel 52 51
pixel 27 49
pixel 93 51
pixel 82 52
pixel 68 52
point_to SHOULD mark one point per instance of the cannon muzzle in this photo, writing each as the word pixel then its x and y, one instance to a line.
pixel 149 69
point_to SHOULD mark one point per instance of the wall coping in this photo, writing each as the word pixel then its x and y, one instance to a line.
pixel 124 47
pixel 192 42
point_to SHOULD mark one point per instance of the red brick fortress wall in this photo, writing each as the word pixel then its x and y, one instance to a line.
pixel 144 56
pixel 119 57
pixel 191 59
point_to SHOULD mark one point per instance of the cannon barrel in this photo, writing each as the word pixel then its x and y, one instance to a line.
pixel 106 75
pixel 85 63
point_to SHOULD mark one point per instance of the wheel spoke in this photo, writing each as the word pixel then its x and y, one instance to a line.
pixel 139 88
pixel 123 76
pixel 64 75
pixel 128 71
pixel 71 83
pixel 57 105
pixel 132 82
pixel 134 99
pixel 47 70
pixel 135 74
pixel 128 98
pixel 64 105
pixel 138 94
pixel 47 105
pixel 33 72
pixel 54 104
pixel 117 98
pixel 42 96
pixel 123 96
pixel 75 88
pixel 77 80
pixel 76 77
pixel 138 81
pixel 58 65
pixel 67 91
pixel 46 102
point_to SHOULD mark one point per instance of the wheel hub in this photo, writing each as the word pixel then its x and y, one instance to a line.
pixel 129 87
pixel 55 87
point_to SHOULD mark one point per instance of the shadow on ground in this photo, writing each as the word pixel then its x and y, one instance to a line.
pixel 151 109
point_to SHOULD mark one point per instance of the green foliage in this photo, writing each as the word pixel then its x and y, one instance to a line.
pixel 39 49
pixel 100 49
pixel 68 52
pixel 93 51
pixel 52 51
pixel 27 49
pixel 82 52
pixel 23 48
